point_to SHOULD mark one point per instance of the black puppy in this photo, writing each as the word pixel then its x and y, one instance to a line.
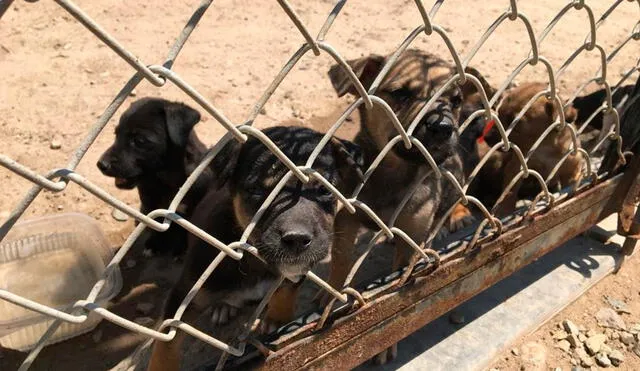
pixel 155 150
pixel 294 233
pixel 586 105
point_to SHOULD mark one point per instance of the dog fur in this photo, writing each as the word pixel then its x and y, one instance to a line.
pixel 410 83
pixel 295 232
pixel 502 167
pixel 155 150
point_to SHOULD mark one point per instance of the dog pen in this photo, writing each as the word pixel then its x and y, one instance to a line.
pixel 366 319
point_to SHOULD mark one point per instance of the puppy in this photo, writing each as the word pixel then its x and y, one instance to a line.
pixel 586 105
pixel 293 234
pixel 410 83
pixel 155 150
pixel 504 166
pixel 629 112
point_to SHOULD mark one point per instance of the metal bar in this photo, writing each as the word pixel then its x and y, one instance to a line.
pixel 578 213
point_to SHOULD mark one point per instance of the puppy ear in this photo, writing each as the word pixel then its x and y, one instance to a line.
pixel 180 120
pixel 469 88
pixel 349 162
pixel 570 114
pixel 225 162
pixel 550 109
pixel 365 68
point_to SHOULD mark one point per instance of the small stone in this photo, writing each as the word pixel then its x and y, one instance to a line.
pixel 605 349
pixel 533 356
pixel 144 321
pixel 582 338
pixel 263 111
pixel 592 333
pixel 608 318
pixel 133 93
pixel 119 215
pixel 615 335
pixel 603 360
pixel 557 369
pixel 618 305
pixel 616 357
pixel 456 318
pixel 570 327
pixel 564 345
pixel 55 144
pixel 67 46
pixel 130 263
pixel 627 338
pixel 60 207
pixel 574 340
pixel 594 343
pixel 144 308
pixel 97 336
pixel 635 329
pixel 515 352
pixel 584 358
pixel 559 335
pixel 573 362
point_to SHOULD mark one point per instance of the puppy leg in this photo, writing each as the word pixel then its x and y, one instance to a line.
pixel 345 232
pixel 460 218
pixel 508 204
pixel 282 306
pixel 167 355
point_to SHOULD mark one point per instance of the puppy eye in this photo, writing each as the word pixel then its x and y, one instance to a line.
pixel 456 101
pixel 256 191
pixel 324 192
pixel 140 141
pixel 402 94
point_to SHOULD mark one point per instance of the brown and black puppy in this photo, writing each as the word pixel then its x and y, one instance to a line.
pixel 410 83
pixel 155 150
pixel 294 233
pixel 504 166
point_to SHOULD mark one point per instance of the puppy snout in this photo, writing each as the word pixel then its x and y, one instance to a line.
pixel 441 127
pixel 104 165
pixel 296 240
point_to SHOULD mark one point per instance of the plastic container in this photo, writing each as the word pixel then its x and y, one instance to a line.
pixel 55 261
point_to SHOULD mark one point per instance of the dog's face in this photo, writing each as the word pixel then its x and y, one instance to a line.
pixel 412 81
pixel 151 136
pixel 296 230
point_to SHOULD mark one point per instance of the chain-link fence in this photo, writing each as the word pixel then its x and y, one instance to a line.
pixel 490 227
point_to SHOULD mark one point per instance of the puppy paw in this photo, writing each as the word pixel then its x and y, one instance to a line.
pixel 223 314
pixel 266 326
pixel 386 355
pixel 460 218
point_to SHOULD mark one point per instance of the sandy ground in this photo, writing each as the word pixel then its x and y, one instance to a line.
pixel 622 286
pixel 57 77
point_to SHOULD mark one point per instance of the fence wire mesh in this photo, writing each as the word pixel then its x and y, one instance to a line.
pixel 159 75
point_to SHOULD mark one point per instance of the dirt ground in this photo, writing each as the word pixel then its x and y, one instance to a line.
pixel 622 286
pixel 57 78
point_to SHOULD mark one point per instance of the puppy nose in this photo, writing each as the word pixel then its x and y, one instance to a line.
pixel 296 240
pixel 441 127
pixel 103 165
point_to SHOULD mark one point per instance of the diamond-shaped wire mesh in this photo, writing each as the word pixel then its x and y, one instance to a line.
pixel 160 75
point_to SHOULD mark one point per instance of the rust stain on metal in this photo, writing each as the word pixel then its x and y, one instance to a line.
pixel 345 343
